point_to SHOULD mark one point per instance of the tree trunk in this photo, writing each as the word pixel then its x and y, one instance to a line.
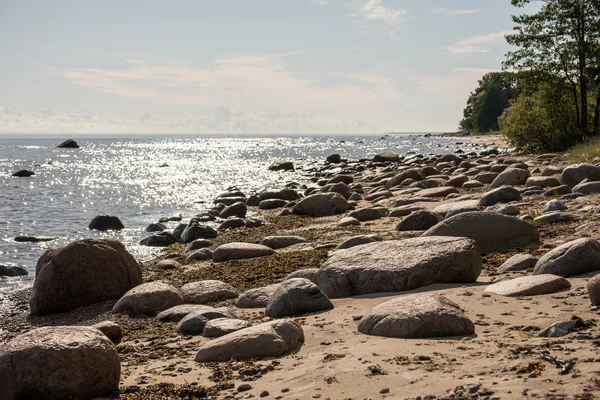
pixel 597 114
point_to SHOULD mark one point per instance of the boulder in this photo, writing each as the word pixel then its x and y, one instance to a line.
pixel 295 297
pixel 507 233
pixel 177 313
pixel 23 173
pixel 472 184
pixel 412 173
pixel 282 166
pixel 158 227
pixel 198 244
pixel 240 250
pixel 347 179
pixel 238 210
pixel 418 221
pixel 196 231
pixel 529 285
pixel 223 326
pixel 556 217
pixel 457 207
pixel 271 339
pixel 348 221
pixel 542 181
pixel 553 205
pixel 106 222
pixel 593 288
pixel 357 241
pixel 161 239
pixel 558 329
pixel 271 204
pixel 403 211
pixel 558 191
pixel 280 242
pixel 334 159
pixel 167 264
pixel 340 188
pixel 510 177
pixel 312 274
pixel 83 272
pixel 231 223
pixel 194 322
pixel 398 265
pixel 321 205
pixel 207 291
pixel 148 298
pixel 504 194
pixel 442 191
pixel 111 330
pixel 386 156
pixel 200 255
pixel 257 297
pixel 369 214
pixel 281 194
pixel 587 187
pixel 574 174
pixel 59 362
pixel 518 262
pixel 68 144
pixel 577 257
pixel 486 177
pixel 457 181
pixel 12 270
pixel 416 316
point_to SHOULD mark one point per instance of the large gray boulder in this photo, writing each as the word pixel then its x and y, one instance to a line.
pixel 271 339
pixel 587 187
pixel 62 362
pixel 321 205
pixel 511 177
pixel 296 296
pixel 148 298
pixel 207 291
pixel 518 262
pixel 280 242
pixel 398 265
pixel 574 174
pixel 577 257
pixel 416 316
pixel 240 250
pixel 257 297
pixel 83 272
pixel 504 194
pixel 529 285
pixel 493 232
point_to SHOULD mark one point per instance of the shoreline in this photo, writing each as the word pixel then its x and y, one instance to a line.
pixel 337 362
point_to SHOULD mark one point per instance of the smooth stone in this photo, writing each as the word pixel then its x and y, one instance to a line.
pixel 312 274
pixel 24 173
pixel 442 191
pixel 403 211
pixel 418 221
pixel 457 207
pixel 558 329
pixel 257 297
pixel 369 214
pixel 68 144
pixel 161 239
pixel 12 270
pixel 59 362
pixel 106 222
pixel 486 177
pixel 177 313
pixel 167 264
pixel 111 330
pixel 506 209
pixel 416 316
pixel 240 250
pixel 558 191
pixel 577 257
pixel 195 231
pixel 511 177
pixel 357 241
pixel 508 233
pixel 529 286
pixel 398 265
pixel 518 262
pixel 472 184
pixel 282 194
pixel 556 217
pixel 207 291
pixel 198 244
pixel 542 181
pixel 321 205
pixel 271 204
pixel 84 272
pixel 200 255
pixel 280 242
pixel 593 288
pixel 553 205
pixel 231 223
pixel 237 210
pixel 504 194
pixel 295 297
pixel 411 173
pixel 148 298
pixel 282 166
pixel 348 221
pixel 194 322
pixel 587 187
pixel 223 326
pixel 271 339
pixel 574 174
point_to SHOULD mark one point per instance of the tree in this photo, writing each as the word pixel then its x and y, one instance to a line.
pixel 562 40
pixel 488 101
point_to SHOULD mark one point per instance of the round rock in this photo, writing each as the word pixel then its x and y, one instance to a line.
pixel 207 291
pixel 148 298
pixel 240 250
pixel 296 296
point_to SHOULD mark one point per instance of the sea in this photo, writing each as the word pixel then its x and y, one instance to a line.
pixel 143 178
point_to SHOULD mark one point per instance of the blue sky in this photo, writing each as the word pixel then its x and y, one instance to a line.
pixel 244 66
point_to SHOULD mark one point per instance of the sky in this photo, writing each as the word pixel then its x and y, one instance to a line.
pixel 244 66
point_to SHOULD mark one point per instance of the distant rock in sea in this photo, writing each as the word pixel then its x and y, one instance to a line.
pixel 68 144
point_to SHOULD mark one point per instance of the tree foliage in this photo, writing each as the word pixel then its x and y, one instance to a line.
pixel 488 101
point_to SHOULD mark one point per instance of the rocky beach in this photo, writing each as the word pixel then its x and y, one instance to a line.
pixel 457 275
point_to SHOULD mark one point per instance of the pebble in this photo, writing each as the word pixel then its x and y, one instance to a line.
pixel 244 387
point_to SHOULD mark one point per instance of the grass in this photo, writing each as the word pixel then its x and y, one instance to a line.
pixel 585 151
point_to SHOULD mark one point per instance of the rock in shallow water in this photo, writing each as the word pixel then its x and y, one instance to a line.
pixel 416 316
pixel 65 362
pixel 12 270
pixel 106 222
pixel 271 339
pixel 398 265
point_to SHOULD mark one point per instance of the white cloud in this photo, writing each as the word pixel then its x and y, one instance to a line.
pixel 454 11
pixel 375 12
pixel 218 120
pixel 478 44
